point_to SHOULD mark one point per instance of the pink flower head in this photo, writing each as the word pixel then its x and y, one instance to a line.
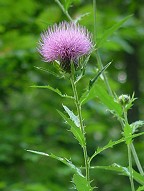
pixel 65 42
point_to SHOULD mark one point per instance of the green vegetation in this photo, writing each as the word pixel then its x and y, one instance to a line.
pixel 28 115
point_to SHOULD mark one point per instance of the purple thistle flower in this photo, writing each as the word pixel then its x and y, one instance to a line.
pixel 65 42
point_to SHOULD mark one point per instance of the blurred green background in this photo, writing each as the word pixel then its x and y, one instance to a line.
pixel 28 116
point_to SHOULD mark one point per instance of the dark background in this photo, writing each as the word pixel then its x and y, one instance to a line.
pixel 28 116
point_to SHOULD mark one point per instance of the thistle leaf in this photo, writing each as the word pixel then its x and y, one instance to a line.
pixel 113 143
pixel 80 17
pixel 81 183
pixel 54 90
pixel 109 145
pixel 63 160
pixel 48 71
pixel 98 91
pixel 128 133
pixel 110 31
pixel 136 125
pixel 84 63
pixel 74 129
pixel 91 83
pixel 72 116
pixel 123 170
pixel 141 188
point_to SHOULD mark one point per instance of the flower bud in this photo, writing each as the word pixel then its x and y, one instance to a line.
pixel 124 99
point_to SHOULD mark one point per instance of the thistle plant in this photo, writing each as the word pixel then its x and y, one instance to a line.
pixel 70 45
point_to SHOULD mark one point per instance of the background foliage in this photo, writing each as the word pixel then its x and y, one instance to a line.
pixel 28 116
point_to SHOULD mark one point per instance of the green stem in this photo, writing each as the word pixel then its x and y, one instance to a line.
pixel 137 160
pixel 132 146
pixel 95 29
pixel 100 65
pixel 63 9
pixel 130 167
pixel 111 93
pixel 77 103
pixel 129 153
pixel 78 106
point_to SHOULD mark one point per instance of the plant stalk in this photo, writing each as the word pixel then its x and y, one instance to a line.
pixel 130 167
pixel 100 64
pixel 129 153
pixel 63 9
pixel 95 29
pixel 137 160
pixel 78 106
pixel 77 103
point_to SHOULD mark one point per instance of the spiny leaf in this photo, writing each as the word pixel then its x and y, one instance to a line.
pixel 48 71
pixel 128 133
pixel 109 145
pixel 63 160
pixel 84 63
pixel 86 60
pixel 137 135
pixel 72 116
pixel 141 188
pixel 110 31
pixel 39 153
pixel 99 73
pixel 123 170
pixel 81 183
pixel 136 125
pixel 74 129
pixel 54 90
pixel 113 143
pixel 98 90
pixel 80 17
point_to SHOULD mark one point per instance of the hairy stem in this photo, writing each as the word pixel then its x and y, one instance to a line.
pixel 78 106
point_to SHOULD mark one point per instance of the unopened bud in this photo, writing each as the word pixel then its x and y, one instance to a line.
pixel 124 99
